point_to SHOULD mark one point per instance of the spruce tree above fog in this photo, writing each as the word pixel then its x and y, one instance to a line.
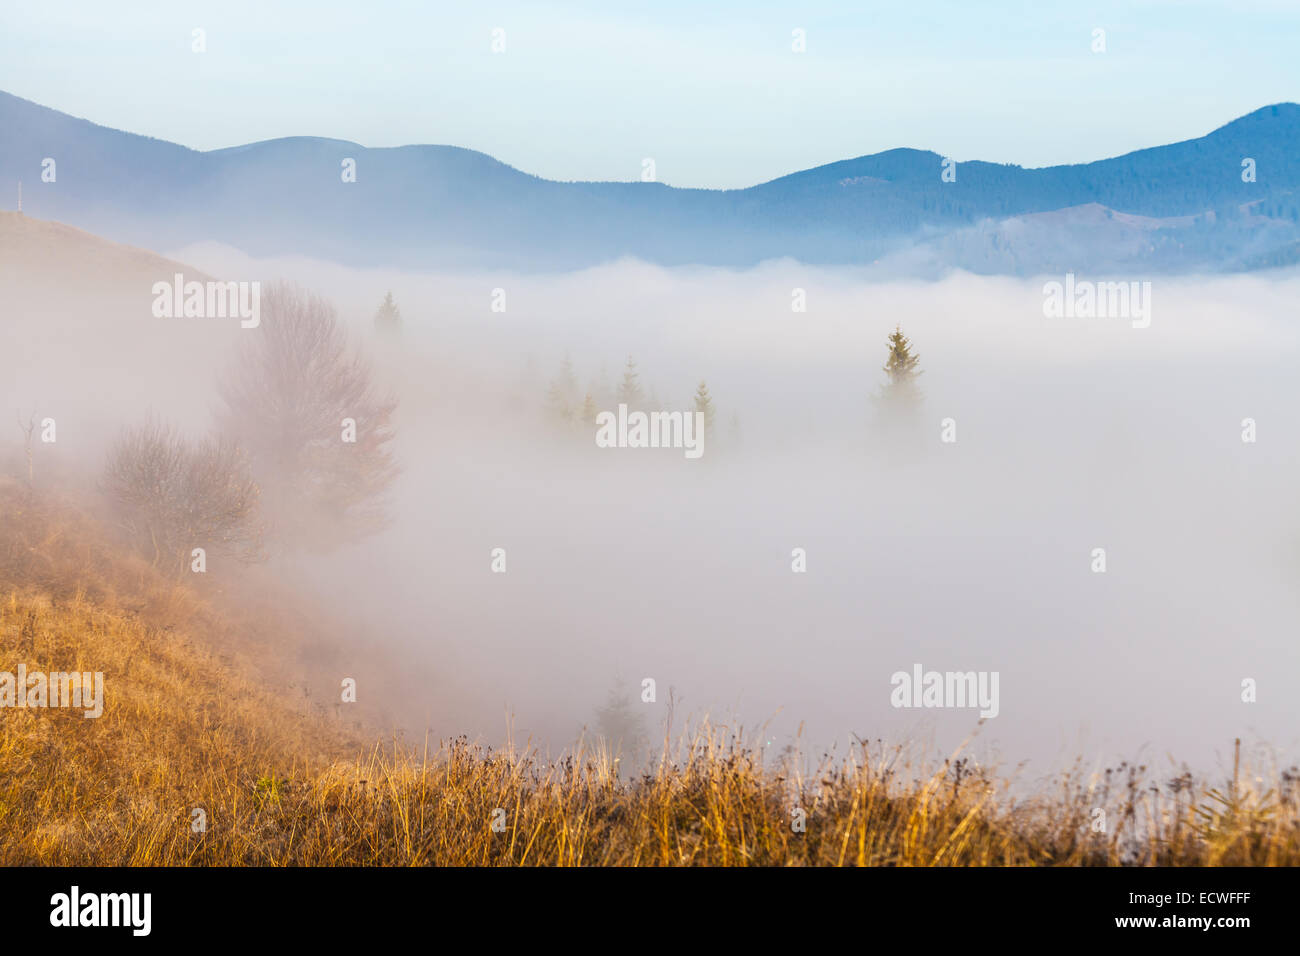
pixel 901 391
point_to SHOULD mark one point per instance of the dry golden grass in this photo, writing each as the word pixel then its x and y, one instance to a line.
pixel 191 721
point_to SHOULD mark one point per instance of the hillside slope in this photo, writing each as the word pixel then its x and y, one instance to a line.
pixel 201 757
pixel 194 713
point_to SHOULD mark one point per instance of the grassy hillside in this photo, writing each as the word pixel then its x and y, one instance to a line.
pixel 196 717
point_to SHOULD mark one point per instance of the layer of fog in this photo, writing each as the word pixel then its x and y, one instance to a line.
pixel 1072 434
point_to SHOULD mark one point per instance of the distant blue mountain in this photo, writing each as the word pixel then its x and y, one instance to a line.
pixel 1179 207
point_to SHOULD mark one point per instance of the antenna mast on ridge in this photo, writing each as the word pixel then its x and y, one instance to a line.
pixel 20 197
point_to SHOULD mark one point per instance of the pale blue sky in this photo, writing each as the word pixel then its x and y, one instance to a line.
pixel 710 90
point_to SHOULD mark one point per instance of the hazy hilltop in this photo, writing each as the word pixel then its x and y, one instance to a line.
pixel 441 207
pixel 75 302
pixel 34 249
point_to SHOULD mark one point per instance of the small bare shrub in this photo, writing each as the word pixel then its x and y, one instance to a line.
pixel 172 496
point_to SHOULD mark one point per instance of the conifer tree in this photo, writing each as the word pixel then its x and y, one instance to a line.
pixel 901 393
pixel 629 390
pixel 620 725
pixel 562 395
pixel 388 318
pixel 704 405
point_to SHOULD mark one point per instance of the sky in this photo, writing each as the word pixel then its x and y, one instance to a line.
pixel 714 93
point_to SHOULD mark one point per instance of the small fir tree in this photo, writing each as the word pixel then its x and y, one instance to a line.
pixel 704 405
pixel 901 393
pixel 388 318
pixel 629 390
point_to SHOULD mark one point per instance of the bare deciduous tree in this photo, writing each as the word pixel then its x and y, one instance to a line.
pixel 288 397
pixel 171 496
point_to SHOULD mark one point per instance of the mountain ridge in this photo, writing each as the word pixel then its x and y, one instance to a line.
pixel 443 206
